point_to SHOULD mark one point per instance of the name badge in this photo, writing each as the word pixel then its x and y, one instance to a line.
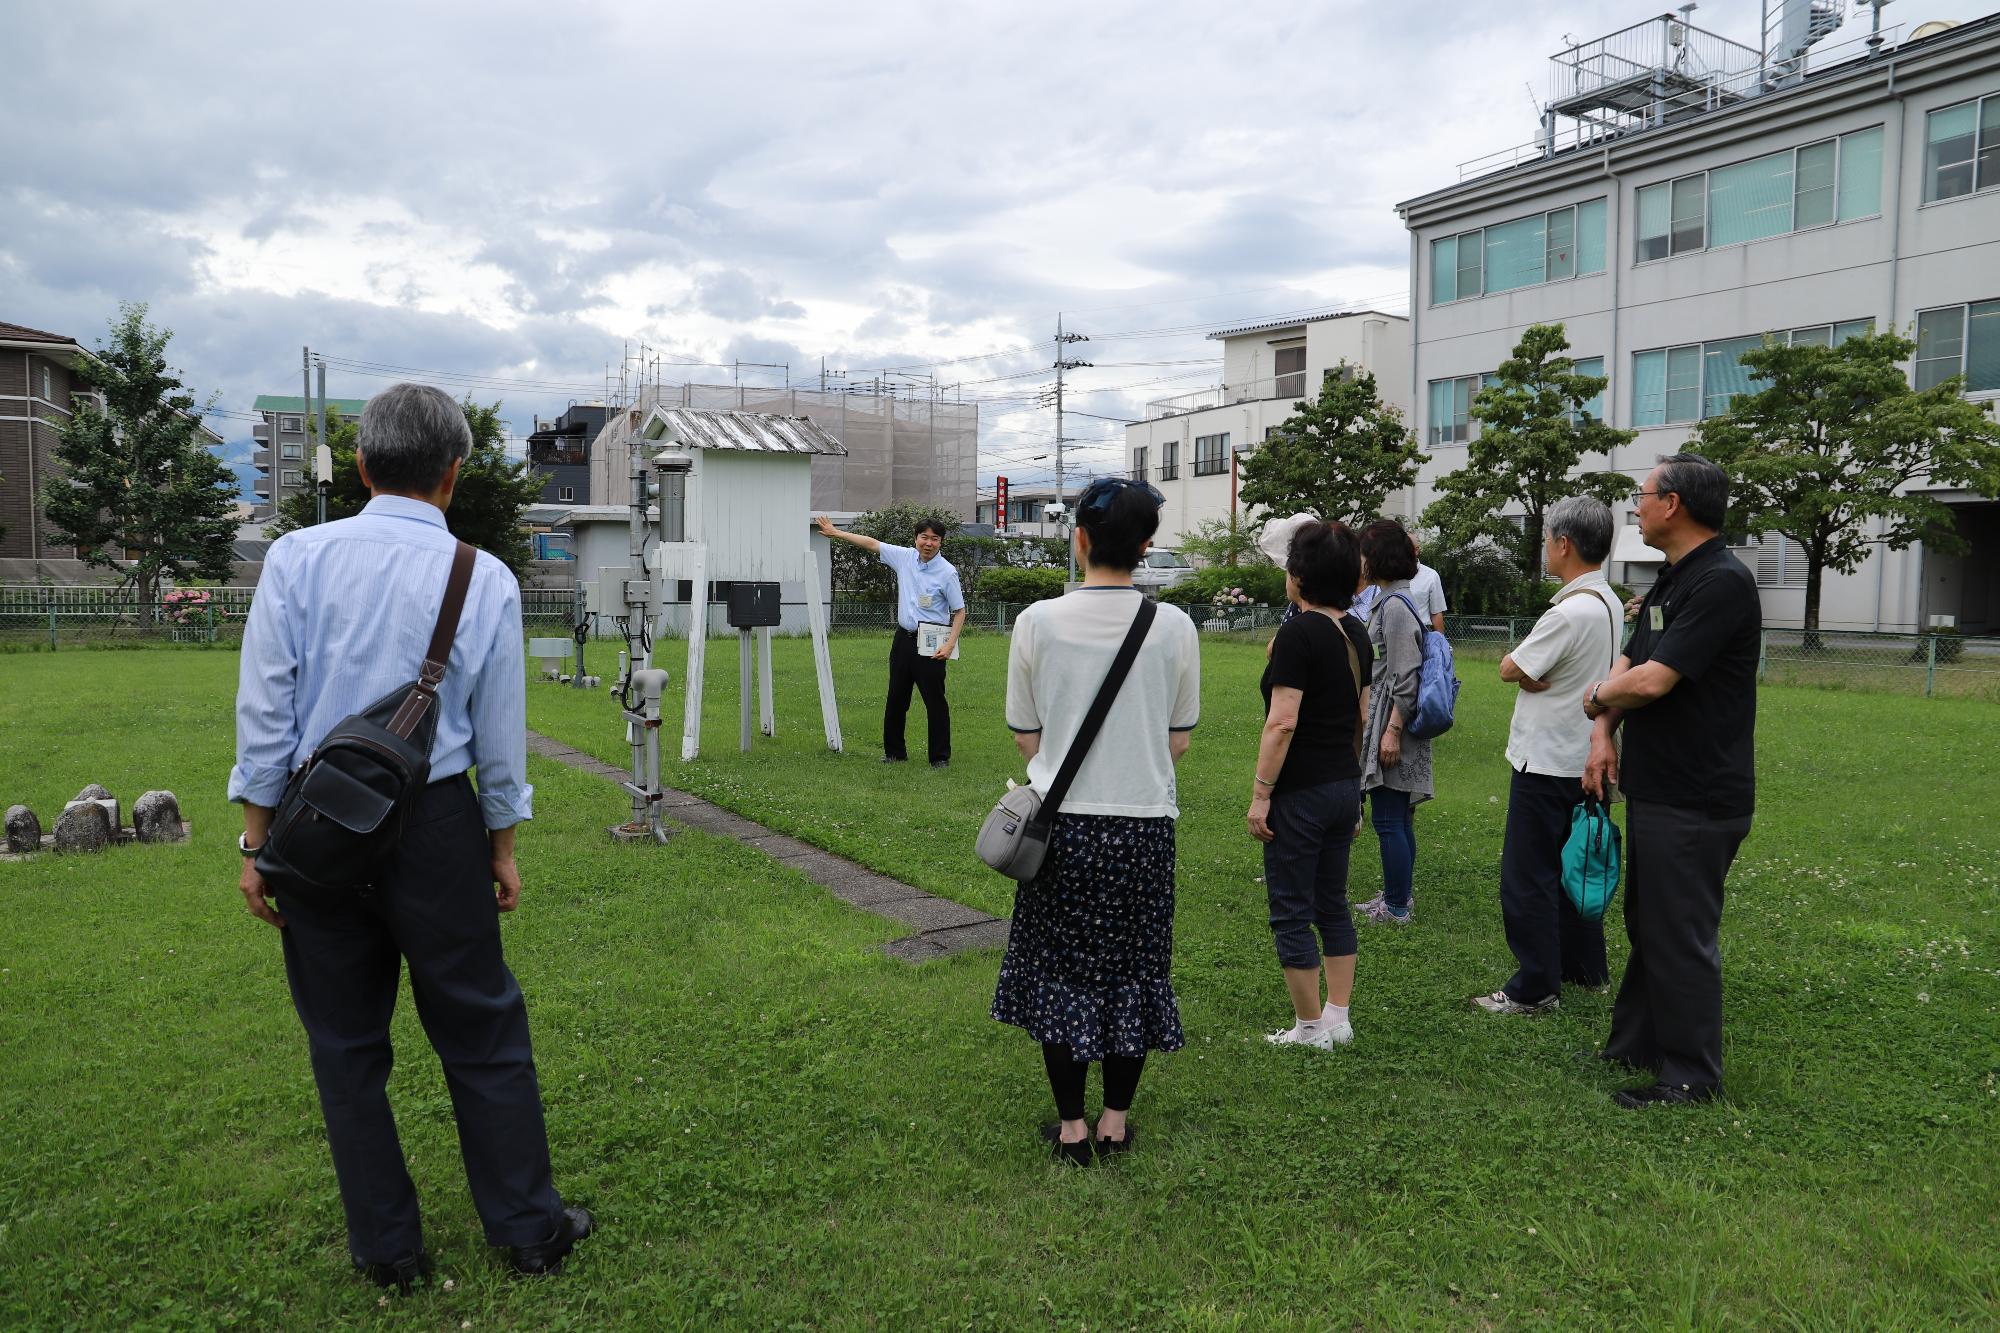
pixel 926 600
pixel 1657 620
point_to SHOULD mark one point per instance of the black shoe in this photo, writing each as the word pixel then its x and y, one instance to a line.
pixel 1664 1094
pixel 1074 1154
pixel 547 1257
pixel 940 763
pixel 895 759
pixel 1115 1147
pixel 1591 1056
pixel 401 1274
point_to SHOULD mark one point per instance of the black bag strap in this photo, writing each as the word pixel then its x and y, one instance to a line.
pixel 1100 708
pixel 438 656
pixel 1354 669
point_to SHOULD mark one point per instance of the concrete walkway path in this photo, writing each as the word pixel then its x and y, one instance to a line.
pixel 942 926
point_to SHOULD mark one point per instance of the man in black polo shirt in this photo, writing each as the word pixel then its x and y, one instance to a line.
pixel 1686 692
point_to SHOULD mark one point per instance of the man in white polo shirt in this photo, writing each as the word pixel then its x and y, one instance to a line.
pixel 1548 745
pixel 927 593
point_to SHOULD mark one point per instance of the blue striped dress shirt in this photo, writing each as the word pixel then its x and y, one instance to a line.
pixel 343 614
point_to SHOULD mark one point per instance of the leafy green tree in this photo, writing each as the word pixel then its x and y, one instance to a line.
pixel 857 574
pixel 1834 439
pixel 136 479
pixel 1219 541
pixel 486 504
pixel 1338 456
pixel 1533 433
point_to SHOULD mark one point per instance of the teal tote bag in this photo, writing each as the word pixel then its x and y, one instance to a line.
pixel 1590 860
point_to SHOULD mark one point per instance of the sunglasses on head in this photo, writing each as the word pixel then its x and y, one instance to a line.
pixel 1097 497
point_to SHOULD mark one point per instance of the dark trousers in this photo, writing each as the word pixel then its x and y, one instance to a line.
pixel 434 907
pixel 908 668
pixel 1067 1074
pixel 1669 1011
pixel 1550 941
pixel 1305 871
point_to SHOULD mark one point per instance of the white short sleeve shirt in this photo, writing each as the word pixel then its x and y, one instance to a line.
pixel 1427 591
pixel 1571 647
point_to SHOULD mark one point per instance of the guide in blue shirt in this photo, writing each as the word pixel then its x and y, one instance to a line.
pixel 927 593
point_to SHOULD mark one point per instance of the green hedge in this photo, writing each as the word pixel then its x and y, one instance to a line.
pixel 1263 583
pixel 1019 585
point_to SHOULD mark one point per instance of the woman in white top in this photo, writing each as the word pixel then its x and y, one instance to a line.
pixel 1091 947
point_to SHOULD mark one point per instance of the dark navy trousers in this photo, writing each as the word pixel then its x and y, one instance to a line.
pixel 1550 941
pixel 433 908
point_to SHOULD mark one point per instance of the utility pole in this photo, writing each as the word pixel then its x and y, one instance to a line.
pixel 278 445
pixel 1065 362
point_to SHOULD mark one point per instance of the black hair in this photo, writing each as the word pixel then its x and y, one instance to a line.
pixel 1386 551
pixel 935 525
pixel 1702 486
pixel 1326 560
pixel 1119 527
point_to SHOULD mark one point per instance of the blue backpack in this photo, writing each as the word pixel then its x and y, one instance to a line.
pixel 1590 860
pixel 1437 682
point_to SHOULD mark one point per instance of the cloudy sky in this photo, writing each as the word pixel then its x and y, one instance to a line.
pixel 505 197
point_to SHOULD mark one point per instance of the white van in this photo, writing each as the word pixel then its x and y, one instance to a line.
pixel 1160 569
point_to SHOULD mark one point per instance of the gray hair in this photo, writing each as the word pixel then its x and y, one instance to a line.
pixel 1587 524
pixel 1702 486
pixel 410 433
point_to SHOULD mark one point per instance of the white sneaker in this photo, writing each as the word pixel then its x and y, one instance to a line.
pixel 1324 1038
pixel 1499 1002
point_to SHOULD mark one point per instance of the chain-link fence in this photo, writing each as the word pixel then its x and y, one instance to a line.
pixel 44 618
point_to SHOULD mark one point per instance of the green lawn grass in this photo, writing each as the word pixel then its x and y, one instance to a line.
pixel 778 1126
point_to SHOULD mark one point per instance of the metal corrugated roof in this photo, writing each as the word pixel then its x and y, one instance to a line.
pixel 754 432
pixel 1271 325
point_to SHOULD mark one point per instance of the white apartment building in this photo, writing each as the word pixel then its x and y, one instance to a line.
pixel 1026 512
pixel 1690 196
pixel 1188 445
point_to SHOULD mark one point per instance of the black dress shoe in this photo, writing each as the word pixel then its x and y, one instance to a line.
pixel 402 1274
pixel 940 763
pixel 1589 1056
pixel 1074 1154
pixel 895 759
pixel 1664 1094
pixel 547 1257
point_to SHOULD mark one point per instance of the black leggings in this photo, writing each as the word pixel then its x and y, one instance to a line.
pixel 1066 1078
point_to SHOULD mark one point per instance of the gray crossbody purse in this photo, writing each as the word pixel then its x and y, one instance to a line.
pixel 1014 840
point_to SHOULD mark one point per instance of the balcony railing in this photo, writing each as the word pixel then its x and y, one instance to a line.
pixel 1291 386
pixel 261 432
pixel 261 459
pixel 262 486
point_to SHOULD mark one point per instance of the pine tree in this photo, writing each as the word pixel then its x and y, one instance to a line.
pixel 1337 457
pixel 136 479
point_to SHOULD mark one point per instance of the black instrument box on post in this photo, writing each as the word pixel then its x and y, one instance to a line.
pixel 753 605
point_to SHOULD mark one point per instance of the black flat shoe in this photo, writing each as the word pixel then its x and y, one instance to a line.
pixel 547 1257
pixel 1591 1056
pixel 1664 1094
pixel 894 759
pixel 1075 1154
pixel 1116 1147
pixel 402 1274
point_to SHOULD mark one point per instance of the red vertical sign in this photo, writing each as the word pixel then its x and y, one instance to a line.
pixel 1000 504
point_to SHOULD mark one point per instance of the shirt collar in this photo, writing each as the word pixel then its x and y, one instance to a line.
pixel 402 506
pixel 1592 579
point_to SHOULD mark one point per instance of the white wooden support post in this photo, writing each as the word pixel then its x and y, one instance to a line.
pixel 743 689
pixel 829 712
pixel 697 649
pixel 769 708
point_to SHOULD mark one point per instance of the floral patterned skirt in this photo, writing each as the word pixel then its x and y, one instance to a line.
pixel 1092 944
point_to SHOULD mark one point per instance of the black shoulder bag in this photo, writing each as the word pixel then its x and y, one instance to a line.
pixel 342 813
pixel 1014 840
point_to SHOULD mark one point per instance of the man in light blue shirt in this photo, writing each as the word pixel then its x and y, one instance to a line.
pixel 927 593
pixel 343 615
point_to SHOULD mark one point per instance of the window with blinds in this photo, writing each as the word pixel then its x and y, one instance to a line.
pixel 1780 562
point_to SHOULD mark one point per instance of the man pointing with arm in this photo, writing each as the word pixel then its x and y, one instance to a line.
pixel 927 592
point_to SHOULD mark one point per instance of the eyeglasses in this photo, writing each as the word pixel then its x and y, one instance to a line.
pixel 1642 493
pixel 1097 496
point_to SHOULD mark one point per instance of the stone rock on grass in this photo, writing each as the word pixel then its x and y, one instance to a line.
pixel 24 831
pixel 156 817
pixel 84 827
pixel 92 793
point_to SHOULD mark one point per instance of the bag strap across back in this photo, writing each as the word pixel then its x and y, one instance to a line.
pixel 438 656
pixel 1100 708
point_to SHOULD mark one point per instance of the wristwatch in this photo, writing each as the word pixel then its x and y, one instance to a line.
pixel 243 845
pixel 1592 701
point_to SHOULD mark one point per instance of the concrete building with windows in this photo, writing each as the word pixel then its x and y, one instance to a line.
pixel 559 452
pixel 1187 445
pixel 1025 513
pixel 1690 196
pixel 282 455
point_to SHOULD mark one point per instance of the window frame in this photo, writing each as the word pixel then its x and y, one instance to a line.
pixel 1963 359
pixel 1280 377
pixel 1139 457
pixel 566 495
pixel 294 477
pixel 1211 454
pixel 1670 184
pixel 1170 460
pixel 292 449
pixel 1701 351
pixel 1972 163
pixel 1458 240
pixel 1462 430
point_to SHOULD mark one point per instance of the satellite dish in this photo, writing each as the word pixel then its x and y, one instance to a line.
pixel 1933 28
